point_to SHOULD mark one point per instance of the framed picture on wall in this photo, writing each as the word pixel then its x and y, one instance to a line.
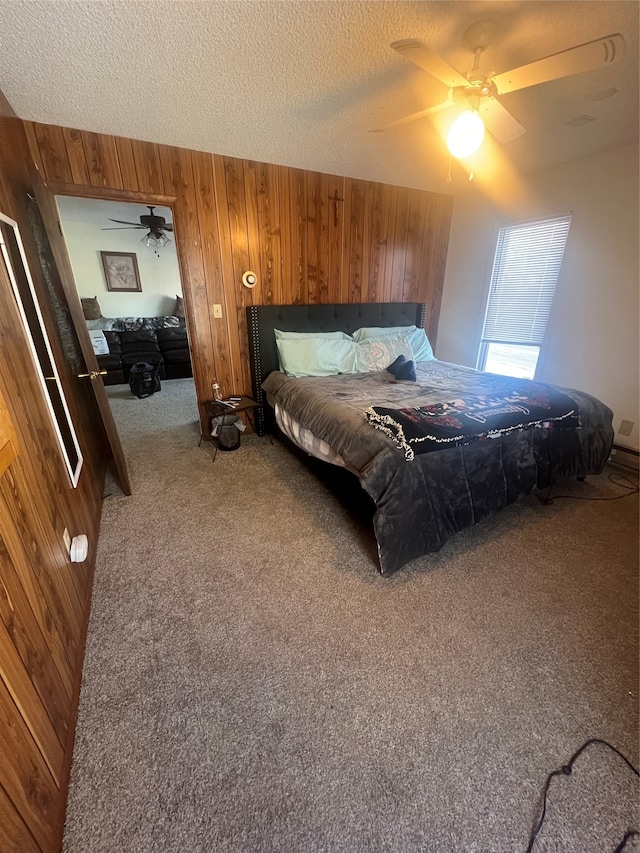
pixel 121 271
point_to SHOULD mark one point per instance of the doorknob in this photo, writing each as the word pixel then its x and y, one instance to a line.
pixel 93 374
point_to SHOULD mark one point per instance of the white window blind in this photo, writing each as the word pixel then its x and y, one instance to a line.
pixel 523 281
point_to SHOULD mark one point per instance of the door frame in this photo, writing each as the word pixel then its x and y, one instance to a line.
pixel 57 188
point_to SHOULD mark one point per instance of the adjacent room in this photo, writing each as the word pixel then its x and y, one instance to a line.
pixel 319 369
pixel 126 271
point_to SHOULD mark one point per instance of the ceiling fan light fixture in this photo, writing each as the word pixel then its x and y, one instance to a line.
pixel 154 240
pixel 466 134
pixel 149 240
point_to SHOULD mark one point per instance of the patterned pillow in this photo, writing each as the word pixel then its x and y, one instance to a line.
pixel 179 309
pixel 378 353
pixel 91 308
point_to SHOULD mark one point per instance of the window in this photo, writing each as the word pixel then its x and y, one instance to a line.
pixel 523 281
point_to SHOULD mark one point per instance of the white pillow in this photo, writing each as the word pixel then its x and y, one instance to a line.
pixel 378 353
pixel 417 338
pixel 294 336
pixel 291 336
pixel 316 356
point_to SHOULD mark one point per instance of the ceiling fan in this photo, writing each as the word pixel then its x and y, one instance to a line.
pixel 478 93
pixel 155 225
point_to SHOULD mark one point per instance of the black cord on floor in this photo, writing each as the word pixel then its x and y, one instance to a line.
pixel 628 834
pixel 628 484
pixel 565 770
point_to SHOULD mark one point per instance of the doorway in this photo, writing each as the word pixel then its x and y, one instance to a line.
pixel 127 277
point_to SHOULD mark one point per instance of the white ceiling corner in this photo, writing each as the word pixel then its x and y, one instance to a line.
pixel 302 83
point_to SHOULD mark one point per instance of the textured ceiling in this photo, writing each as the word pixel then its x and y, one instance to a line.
pixel 302 83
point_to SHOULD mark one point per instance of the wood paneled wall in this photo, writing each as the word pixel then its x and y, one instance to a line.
pixel 44 598
pixel 310 237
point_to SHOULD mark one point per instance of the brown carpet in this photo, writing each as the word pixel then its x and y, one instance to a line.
pixel 252 684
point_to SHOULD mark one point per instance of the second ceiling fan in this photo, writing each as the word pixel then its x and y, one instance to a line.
pixel 150 222
pixel 478 94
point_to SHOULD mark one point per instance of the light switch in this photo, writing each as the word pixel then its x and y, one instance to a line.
pixel 217 310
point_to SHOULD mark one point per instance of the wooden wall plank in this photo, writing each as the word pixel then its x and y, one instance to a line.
pixel 390 249
pixel 400 244
pixel 213 293
pixel 146 157
pixel 252 251
pixel 46 608
pixel 367 230
pixel 312 213
pixel 20 687
pixel 356 240
pixel 345 259
pixel 282 290
pixel 299 284
pixel 126 161
pixel 335 218
pixel 24 773
pixel 53 153
pixel 378 203
pixel 76 155
pixel 253 254
pixel 23 504
pixel 19 531
pixel 14 834
pixel 269 242
pixel 102 160
pixel 241 257
pixel 33 145
pixel 23 629
pixel 226 255
pixel 415 240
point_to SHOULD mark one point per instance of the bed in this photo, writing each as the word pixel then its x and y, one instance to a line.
pixel 425 489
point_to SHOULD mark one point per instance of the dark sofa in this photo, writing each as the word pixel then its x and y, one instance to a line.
pixel 166 347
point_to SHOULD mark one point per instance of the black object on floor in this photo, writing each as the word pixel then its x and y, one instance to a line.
pixel 144 379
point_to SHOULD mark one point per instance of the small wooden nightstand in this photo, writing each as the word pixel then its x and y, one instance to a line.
pixel 215 409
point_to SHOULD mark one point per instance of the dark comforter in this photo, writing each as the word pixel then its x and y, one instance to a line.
pixel 421 503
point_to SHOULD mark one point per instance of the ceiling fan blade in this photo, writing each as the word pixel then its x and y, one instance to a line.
pixel 584 57
pixel 168 226
pixel 124 222
pixel 424 58
pixel 413 117
pixel 499 121
pixel 124 227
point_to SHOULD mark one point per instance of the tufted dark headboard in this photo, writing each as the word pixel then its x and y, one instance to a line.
pixel 263 319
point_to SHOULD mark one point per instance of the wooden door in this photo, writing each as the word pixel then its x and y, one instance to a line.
pixel 51 221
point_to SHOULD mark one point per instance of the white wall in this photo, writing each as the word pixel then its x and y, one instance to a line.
pixel 82 223
pixel 592 338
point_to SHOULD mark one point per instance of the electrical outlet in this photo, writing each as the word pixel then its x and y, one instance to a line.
pixel 67 540
pixel 625 427
pixel 217 311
